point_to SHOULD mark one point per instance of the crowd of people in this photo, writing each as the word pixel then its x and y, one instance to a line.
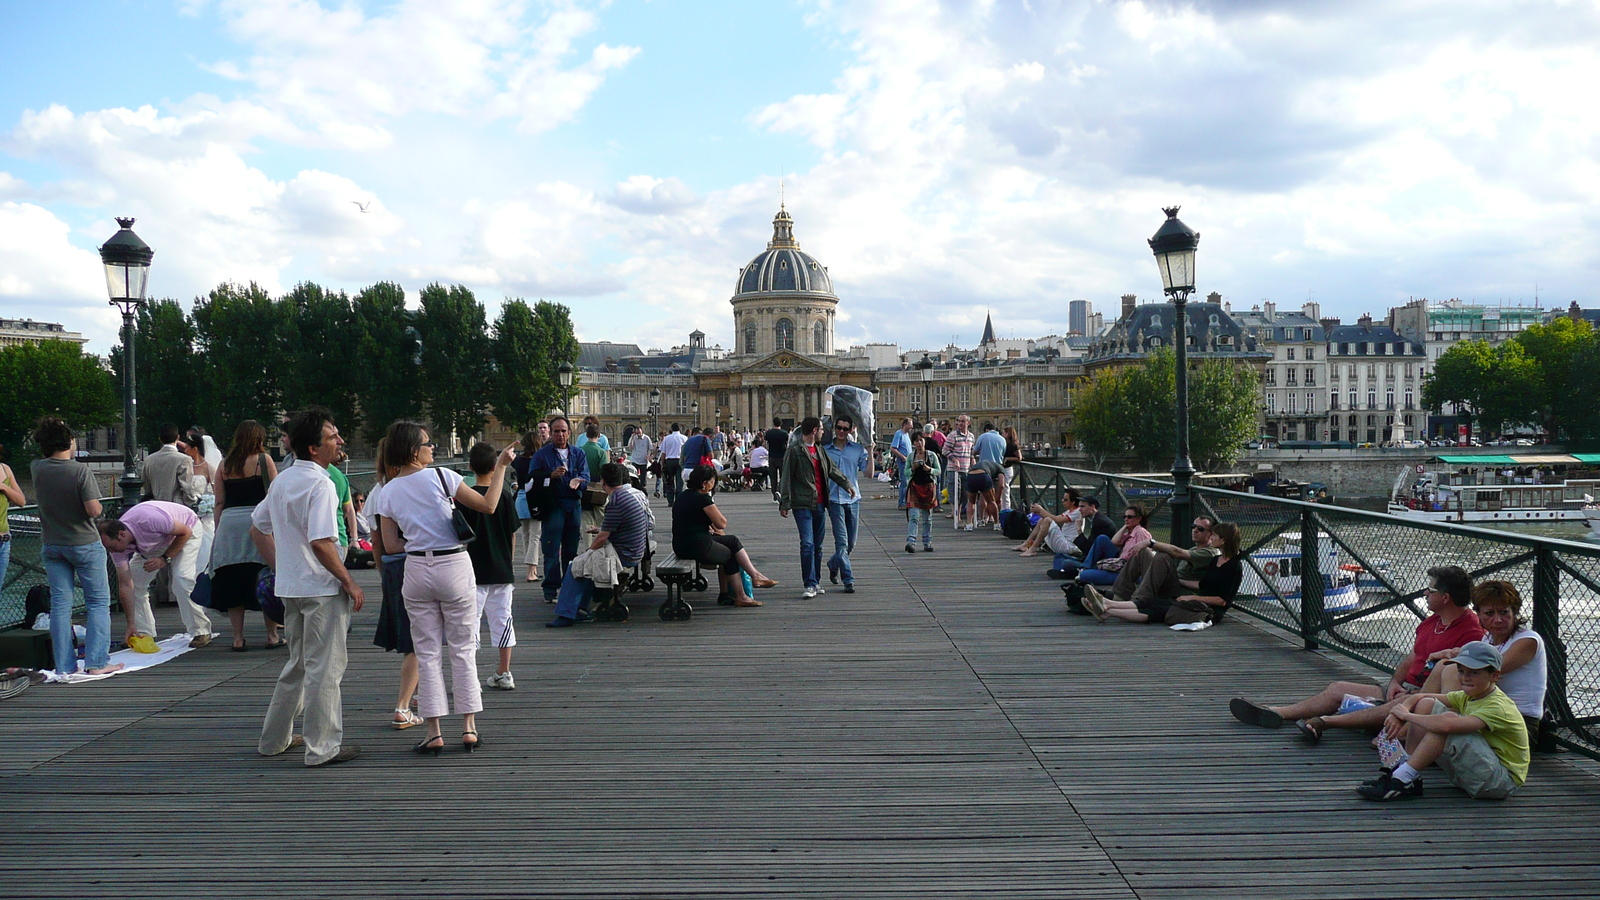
pixel 239 533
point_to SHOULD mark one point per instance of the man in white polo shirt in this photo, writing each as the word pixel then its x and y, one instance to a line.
pixel 672 462
pixel 296 530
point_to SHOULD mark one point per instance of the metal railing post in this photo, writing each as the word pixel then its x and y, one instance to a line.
pixel 1311 596
pixel 1547 622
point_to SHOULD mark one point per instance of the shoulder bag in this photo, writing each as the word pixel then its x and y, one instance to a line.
pixel 458 520
pixel 1182 612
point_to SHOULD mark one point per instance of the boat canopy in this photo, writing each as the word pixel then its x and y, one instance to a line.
pixel 1592 459
pixel 1546 459
pixel 1477 460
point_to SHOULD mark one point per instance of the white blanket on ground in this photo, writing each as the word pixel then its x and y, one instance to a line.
pixel 132 661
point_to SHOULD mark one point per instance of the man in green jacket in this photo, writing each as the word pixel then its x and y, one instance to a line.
pixel 802 487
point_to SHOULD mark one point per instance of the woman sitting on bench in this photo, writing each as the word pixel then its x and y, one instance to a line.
pixel 697 534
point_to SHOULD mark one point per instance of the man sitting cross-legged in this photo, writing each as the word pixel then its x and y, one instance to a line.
pixel 1450 625
pixel 1475 735
pixel 1215 587
pixel 1054 531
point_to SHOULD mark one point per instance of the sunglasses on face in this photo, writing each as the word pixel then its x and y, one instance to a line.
pixel 431 444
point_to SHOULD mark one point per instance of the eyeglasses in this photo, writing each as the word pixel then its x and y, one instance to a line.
pixel 431 444
pixel 1130 516
pixel 1197 528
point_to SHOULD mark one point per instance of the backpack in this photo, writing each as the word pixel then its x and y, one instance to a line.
pixel 1014 524
pixel 37 601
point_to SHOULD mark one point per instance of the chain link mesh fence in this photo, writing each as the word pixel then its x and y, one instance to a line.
pixel 1366 597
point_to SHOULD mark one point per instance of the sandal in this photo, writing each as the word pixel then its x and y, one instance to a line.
pixel 1312 733
pixel 1254 714
pixel 279 644
pixel 766 583
pixel 241 647
pixel 404 718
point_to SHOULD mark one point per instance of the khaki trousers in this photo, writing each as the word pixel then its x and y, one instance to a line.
pixel 315 628
pixel 184 568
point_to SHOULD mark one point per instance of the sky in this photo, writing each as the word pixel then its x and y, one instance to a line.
pixel 944 159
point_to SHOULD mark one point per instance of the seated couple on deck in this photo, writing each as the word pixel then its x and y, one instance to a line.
pixel 1164 584
pixel 1491 699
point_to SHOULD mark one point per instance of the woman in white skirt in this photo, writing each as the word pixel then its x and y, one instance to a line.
pixel 439 590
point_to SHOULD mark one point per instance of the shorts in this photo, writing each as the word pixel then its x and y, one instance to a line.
pixel 1471 765
pixel 494 603
pixel 1058 542
pixel 979 482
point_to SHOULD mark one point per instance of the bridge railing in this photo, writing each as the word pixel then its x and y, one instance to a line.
pixel 1372 573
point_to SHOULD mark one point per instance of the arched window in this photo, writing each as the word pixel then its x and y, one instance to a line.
pixel 785 333
pixel 1155 321
pixel 819 338
pixel 749 337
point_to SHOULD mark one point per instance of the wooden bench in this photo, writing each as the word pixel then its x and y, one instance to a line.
pixel 678 574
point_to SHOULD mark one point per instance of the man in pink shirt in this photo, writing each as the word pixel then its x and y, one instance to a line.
pixel 958 453
pixel 152 536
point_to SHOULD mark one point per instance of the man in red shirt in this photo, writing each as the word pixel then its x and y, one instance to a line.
pixel 1450 624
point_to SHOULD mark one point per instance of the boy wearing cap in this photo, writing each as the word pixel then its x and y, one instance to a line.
pixel 1476 735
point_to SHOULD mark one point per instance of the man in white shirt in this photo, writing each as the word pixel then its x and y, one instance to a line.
pixel 672 462
pixel 296 530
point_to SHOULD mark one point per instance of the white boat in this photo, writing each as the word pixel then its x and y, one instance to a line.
pixel 1446 497
pixel 1281 566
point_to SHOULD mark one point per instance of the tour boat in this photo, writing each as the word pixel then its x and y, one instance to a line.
pixel 1280 568
pixel 1434 498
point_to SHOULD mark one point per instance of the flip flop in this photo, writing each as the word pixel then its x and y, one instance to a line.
pixel 1312 733
pixel 1254 714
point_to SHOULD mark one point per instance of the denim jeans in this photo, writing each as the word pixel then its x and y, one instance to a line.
pixel 5 563
pixel 843 517
pixel 813 525
pixel 672 471
pixel 1102 548
pixel 919 520
pixel 576 594
pixel 85 563
pixel 560 539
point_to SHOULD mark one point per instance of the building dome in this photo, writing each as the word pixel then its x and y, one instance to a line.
pixel 782 267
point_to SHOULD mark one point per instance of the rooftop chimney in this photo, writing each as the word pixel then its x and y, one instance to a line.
pixel 1329 324
pixel 1128 300
pixel 1268 310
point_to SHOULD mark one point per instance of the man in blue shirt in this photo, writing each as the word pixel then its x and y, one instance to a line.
pixel 851 460
pixel 565 471
pixel 900 451
pixel 990 446
pixel 696 448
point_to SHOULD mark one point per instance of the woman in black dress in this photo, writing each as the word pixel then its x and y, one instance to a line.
pixel 697 534
pixel 239 484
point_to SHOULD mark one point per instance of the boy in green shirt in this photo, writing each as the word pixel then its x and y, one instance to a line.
pixel 1476 735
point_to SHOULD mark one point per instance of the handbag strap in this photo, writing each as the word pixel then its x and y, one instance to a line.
pixel 445 488
pixel 261 471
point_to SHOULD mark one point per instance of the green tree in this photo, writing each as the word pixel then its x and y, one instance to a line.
pixel 53 378
pixel 456 364
pixel 168 370
pixel 387 358
pixel 241 334
pixel 1150 407
pixel 1097 416
pixel 1583 410
pixel 1553 347
pixel 519 367
pixel 320 350
pixel 1222 412
pixel 1494 387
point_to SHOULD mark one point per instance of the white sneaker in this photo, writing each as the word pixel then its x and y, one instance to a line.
pixel 821 589
pixel 997 526
pixel 808 593
pixel 967 527
pixel 501 681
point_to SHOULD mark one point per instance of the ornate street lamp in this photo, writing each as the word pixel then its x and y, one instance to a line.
pixel 695 408
pixel 126 259
pixel 1174 245
pixel 924 369
pixel 564 373
pixel 655 410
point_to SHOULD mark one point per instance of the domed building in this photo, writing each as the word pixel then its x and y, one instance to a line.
pixel 784 299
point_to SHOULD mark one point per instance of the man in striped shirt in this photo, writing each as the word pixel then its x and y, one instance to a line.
pixel 626 527
pixel 958 447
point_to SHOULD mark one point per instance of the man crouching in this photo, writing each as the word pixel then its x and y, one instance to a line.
pixel 1475 735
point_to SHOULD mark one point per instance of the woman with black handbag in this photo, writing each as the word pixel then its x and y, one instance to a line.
pixel 439 590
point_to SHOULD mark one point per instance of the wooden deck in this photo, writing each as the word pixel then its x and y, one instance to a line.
pixel 946 731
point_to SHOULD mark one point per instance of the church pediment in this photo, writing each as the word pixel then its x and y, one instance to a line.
pixel 783 361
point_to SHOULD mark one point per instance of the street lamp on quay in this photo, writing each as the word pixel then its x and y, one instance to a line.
pixel 564 373
pixel 126 259
pixel 1174 245
pixel 695 408
pixel 655 410
pixel 925 370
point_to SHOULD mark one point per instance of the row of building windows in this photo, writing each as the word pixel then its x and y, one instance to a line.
pixel 1389 370
pixel 1362 349
pixel 784 332
pixel 1038 395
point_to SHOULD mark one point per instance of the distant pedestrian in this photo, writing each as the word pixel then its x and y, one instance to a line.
pixel 851 460
pixel 777 442
pixel 296 530
pixel 530 499
pixel 920 474
pixel 562 472
pixel 240 484
pixel 70 548
pixel 10 493
pixel 672 463
pixel 900 451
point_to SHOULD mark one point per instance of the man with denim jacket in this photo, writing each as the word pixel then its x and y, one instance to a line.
pixel 565 471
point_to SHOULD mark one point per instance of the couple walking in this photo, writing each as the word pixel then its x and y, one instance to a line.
pixel 818 483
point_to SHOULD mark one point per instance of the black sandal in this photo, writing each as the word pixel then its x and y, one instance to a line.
pixel 1312 733
pixel 1254 714
pixel 241 647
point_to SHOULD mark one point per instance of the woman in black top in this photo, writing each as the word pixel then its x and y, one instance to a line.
pixel 697 534
pixel 240 483
pixel 1217 586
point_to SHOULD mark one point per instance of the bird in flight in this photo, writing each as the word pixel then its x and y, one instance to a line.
pixel 362 206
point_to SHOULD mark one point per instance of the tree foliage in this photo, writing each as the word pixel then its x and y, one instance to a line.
pixel 1133 410
pixel 1552 348
pixel 167 369
pixel 53 378
pixel 530 343
pixel 242 336
pixel 456 366
pixel 387 357
pixel 1496 387
pixel 318 350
